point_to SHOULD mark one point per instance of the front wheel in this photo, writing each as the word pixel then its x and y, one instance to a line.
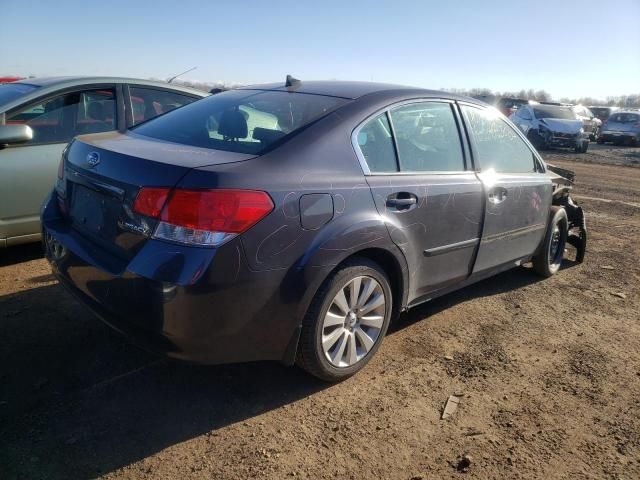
pixel 548 260
pixel 582 147
pixel 346 321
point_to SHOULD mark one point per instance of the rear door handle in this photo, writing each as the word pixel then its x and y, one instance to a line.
pixel 401 201
pixel 497 195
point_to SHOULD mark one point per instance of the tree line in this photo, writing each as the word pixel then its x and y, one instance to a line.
pixel 624 101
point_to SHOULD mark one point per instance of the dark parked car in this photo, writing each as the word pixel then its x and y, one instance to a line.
pixel 506 105
pixel 293 223
pixel 622 127
pixel 603 113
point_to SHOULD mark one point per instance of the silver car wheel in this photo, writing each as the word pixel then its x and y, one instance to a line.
pixel 353 322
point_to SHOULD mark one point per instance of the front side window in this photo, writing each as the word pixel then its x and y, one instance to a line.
pixel 59 119
pixel 497 145
pixel 243 121
pixel 148 103
pixel 376 144
pixel 427 138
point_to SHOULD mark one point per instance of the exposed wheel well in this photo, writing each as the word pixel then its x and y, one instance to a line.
pixel 392 268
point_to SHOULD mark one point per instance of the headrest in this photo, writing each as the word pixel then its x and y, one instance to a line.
pixel 233 124
pixel 266 135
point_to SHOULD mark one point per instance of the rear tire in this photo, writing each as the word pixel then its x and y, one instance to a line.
pixel 341 331
pixel 548 260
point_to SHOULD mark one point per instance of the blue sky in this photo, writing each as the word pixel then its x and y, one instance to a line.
pixel 567 47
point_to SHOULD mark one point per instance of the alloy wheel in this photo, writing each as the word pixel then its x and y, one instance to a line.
pixel 353 322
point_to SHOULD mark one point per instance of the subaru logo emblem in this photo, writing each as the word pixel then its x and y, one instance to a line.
pixel 93 159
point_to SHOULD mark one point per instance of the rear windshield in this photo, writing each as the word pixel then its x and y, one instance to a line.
pixel 600 111
pixel 243 121
pixel 553 111
pixel 11 91
pixel 625 118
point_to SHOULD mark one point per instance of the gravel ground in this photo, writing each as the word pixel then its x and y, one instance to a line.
pixel 547 374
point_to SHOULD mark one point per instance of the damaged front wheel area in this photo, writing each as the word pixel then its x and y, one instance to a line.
pixel 577 235
pixel 548 260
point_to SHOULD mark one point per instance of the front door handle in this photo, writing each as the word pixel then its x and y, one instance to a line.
pixel 401 201
pixel 497 195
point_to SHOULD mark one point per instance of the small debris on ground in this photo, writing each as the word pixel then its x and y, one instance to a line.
pixel 607 267
pixel 451 406
pixel 463 463
pixel 619 294
pixel 448 357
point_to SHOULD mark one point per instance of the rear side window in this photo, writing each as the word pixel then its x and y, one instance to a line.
pixel 376 144
pixel 243 121
pixel 497 145
pixel 147 103
pixel 427 138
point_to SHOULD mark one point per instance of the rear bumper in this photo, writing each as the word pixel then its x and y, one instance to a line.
pixel 229 314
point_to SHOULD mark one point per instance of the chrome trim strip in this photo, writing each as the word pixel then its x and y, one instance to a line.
pixel 432 252
pixel 514 233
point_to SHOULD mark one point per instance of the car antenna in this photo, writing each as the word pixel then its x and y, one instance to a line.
pixel 180 74
pixel 291 82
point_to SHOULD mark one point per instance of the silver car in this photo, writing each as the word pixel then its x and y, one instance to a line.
pixel 551 126
pixel 590 122
pixel 38 117
pixel 621 127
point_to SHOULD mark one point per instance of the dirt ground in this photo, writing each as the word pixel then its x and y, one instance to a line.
pixel 548 372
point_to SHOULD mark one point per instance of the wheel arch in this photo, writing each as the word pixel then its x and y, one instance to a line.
pixel 390 260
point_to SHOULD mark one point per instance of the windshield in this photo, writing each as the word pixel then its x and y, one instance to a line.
pixel 243 121
pixel 553 111
pixel 11 91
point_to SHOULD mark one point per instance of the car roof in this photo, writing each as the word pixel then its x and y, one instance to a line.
pixel 51 85
pixel 347 89
pixel 71 81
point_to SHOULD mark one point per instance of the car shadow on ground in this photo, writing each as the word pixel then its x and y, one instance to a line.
pixel 77 401
pixel 510 280
pixel 20 253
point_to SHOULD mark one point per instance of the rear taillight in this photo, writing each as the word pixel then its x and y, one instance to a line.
pixel 150 201
pixel 202 217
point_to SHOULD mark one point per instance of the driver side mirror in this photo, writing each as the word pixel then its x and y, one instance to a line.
pixel 14 134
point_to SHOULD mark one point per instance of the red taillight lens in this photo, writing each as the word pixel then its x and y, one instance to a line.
pixel 230 211
pixel 202 217
pixel 150 201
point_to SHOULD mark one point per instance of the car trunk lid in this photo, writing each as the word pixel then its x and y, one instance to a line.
pixel 103 174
